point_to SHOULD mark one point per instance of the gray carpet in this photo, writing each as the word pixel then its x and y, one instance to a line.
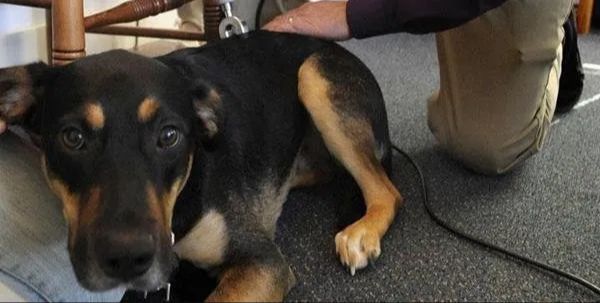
pixel 547 208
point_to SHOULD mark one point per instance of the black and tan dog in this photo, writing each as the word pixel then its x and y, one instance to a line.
pixel 205 142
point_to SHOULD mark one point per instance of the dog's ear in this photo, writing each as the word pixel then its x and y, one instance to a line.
pixel 208 109
pixel 21 89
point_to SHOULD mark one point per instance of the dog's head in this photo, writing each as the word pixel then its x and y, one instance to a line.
pixel 118 133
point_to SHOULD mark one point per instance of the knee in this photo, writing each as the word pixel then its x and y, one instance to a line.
pixel 493 154
pixel 483 156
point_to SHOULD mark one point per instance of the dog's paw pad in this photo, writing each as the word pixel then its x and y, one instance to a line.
pixel 357 246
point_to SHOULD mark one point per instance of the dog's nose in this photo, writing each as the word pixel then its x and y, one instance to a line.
pixel 125 255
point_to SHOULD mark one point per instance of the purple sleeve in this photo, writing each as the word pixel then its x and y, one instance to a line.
pixel 368 18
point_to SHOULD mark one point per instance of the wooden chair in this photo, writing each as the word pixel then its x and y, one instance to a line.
pixel 585 10
pixel 67 24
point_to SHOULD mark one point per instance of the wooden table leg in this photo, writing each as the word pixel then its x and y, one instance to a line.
pixel 584 15
pixel 68 31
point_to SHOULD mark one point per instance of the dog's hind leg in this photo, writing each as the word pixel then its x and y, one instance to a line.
pixel 342 98
pixel 314 163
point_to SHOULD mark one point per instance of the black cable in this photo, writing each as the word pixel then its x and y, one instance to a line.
pixel 259 9
pixel 484 243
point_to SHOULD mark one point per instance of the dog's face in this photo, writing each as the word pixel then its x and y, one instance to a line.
pixel 118 135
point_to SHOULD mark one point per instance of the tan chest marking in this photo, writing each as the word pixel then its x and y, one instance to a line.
pixel 206 243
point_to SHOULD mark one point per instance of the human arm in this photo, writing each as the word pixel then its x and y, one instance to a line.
pixel 366 18
pixel 325 20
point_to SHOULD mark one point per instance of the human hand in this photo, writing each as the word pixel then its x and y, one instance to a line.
pixel 326 20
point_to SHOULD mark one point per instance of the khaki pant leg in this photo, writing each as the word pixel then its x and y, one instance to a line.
pixel 498 84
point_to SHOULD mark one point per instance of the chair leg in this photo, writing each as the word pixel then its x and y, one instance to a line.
pixel 49 35
pixel 212 18
pixel 584 15
pixel 68 31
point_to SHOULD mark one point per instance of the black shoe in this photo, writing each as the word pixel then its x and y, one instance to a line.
pixel 571 77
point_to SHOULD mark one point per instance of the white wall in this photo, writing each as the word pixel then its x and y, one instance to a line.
pixel 20 38
pixel 23 32
pixel 14 18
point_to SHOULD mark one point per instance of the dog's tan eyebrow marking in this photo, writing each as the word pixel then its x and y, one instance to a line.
pixel 147 109
pixel 94 115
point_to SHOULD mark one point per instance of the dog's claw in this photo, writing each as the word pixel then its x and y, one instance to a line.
pixel 372 263
pixel 357 246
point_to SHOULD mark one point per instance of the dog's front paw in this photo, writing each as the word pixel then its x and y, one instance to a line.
pixel 357 245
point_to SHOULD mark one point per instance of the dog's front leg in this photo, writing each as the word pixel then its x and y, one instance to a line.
pixel 262 275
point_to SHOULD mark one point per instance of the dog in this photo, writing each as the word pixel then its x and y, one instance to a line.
pixel 205 143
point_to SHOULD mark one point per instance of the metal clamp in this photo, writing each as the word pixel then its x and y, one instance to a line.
pixel 231 25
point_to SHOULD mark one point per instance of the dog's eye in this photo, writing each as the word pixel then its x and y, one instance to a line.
pixel 169 137
pixel 73 138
